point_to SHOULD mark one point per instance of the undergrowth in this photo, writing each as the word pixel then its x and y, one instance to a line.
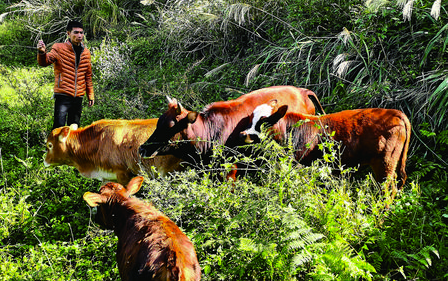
pixel 281 220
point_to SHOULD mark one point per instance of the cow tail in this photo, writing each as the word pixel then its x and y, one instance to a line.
pixel 401 174
pixel 316 103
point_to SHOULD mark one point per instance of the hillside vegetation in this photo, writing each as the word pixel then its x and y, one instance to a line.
pixel 286 221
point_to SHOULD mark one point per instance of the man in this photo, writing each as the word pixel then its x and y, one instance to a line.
pixel 73 75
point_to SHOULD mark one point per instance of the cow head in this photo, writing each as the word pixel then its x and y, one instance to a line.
pixel 110 194
pixel 267 114
pixel 56 146
pixel 170 128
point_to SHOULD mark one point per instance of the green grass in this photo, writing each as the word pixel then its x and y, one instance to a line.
pixel 14 79
pixel 287 222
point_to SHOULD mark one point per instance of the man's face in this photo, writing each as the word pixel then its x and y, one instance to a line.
pixel 76 35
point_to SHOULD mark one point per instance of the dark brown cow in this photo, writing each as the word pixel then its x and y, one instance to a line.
pixel 190 135
pixel 374 136
pixel 107 150
pixel 150 245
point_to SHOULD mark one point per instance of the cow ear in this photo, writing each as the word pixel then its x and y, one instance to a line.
pixel 134 185
pixel 282 111
pixel 276 116
pixel 94 199
pixel 65 131
pixel 192 116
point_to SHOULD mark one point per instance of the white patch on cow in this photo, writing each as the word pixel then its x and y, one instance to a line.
pixel 46 164
pixel 263 110
pixel 100 175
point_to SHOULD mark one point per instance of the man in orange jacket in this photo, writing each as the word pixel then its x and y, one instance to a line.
pixel 73 75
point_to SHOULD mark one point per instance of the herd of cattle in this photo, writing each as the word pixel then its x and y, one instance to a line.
pixel 150 245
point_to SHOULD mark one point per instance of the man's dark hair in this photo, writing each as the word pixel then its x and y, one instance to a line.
pixel 73 23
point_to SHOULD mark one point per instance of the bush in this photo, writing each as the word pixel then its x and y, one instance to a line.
pixel 89 258
pixel 17 46
pixel 26 109
pixel 289 226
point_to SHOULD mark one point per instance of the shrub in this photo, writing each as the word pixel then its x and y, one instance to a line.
pixel 89 258
pixel 289 225
pixel 17 46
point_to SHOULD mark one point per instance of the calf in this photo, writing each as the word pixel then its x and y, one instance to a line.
pixel 107 150
pixel 373 136
pixel 150 245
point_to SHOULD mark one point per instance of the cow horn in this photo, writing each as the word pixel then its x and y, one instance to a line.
pixel 273 103
pixel 169 99
pixel 179 108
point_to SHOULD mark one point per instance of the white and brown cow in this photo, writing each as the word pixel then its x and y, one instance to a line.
pixel 107 150
pixel 191 135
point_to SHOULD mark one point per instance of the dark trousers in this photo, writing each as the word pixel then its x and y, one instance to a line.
pixel 67 110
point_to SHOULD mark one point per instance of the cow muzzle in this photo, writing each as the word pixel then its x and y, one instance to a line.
pixel 144 152
pixel 244 136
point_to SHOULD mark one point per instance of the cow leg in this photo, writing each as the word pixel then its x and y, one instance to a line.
pixel 401 174
pixel 232 173
pixel 384 172
pixel 396 153
pixel 399 159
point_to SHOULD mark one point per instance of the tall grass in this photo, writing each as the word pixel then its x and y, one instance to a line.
pixel 376 57
pixel 48 18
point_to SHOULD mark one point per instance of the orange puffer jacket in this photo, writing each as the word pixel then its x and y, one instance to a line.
pixel 69 79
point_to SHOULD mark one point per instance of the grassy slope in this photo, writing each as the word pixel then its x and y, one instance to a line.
pixel 292 222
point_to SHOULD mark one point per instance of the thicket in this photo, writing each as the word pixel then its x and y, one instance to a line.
pixel 287 222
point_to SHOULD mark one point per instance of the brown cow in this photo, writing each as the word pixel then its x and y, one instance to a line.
pixel 107 150
pixel 190 135
pixel 374 136
pixel 150 245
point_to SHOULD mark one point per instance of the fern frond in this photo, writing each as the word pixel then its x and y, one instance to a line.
pixel 424 256
pixel 396 254
pixel 304 236
pixel 301 259
pixel 248 245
